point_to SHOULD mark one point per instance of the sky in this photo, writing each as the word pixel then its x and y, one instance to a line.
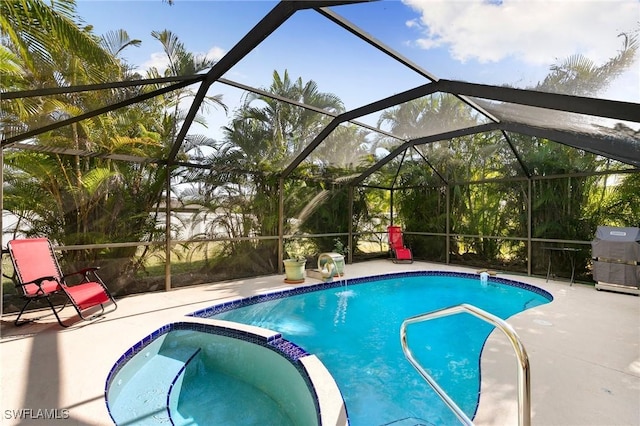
pixel 512 42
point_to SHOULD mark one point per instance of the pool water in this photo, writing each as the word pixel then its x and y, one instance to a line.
pixel 217 396
pixel 212 389
pixel 354 330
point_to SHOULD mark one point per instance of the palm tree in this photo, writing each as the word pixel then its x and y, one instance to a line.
pixel 38 37
pixel 48 49
pixel 82 199
pixel 580 76
pixel 38 29
pixel 559 204
pixel 262 137
pixel 266 133
pixel 269 132
pixel 431 115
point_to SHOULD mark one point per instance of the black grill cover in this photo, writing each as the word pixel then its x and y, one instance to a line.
pixel 617 255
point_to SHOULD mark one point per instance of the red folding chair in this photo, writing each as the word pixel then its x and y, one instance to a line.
pixel 37 274
pixel 399 252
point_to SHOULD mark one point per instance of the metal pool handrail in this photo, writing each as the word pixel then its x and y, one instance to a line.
pixel 524 384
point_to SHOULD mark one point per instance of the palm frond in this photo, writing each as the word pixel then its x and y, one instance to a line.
pixel 115 42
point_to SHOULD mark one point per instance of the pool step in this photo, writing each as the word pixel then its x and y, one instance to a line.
pixel 147 405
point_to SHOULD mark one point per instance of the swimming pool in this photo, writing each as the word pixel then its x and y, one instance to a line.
pixel 354 331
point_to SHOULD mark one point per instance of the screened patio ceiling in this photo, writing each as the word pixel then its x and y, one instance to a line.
pixel 332 149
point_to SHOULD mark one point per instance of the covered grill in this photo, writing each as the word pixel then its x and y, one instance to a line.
pixel 616 259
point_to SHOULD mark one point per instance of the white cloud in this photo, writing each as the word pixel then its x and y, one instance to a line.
pixel 538 32
pixel 216 53
pixel 413 23
pixel 157 60
pixel 160 61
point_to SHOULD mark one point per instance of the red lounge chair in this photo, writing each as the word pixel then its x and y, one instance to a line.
pixel 399 252
pixel 37 273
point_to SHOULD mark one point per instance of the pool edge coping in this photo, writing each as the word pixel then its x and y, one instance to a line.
pixel 345 282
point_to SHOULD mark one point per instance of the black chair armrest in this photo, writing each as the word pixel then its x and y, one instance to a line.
pixel 84 272
pixel 38 281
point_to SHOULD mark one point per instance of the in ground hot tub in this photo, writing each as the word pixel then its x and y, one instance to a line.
pixel 216 372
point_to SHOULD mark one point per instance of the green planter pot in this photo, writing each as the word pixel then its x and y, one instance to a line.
pixel 294 271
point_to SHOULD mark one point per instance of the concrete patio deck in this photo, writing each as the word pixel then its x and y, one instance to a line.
pixel 584 350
